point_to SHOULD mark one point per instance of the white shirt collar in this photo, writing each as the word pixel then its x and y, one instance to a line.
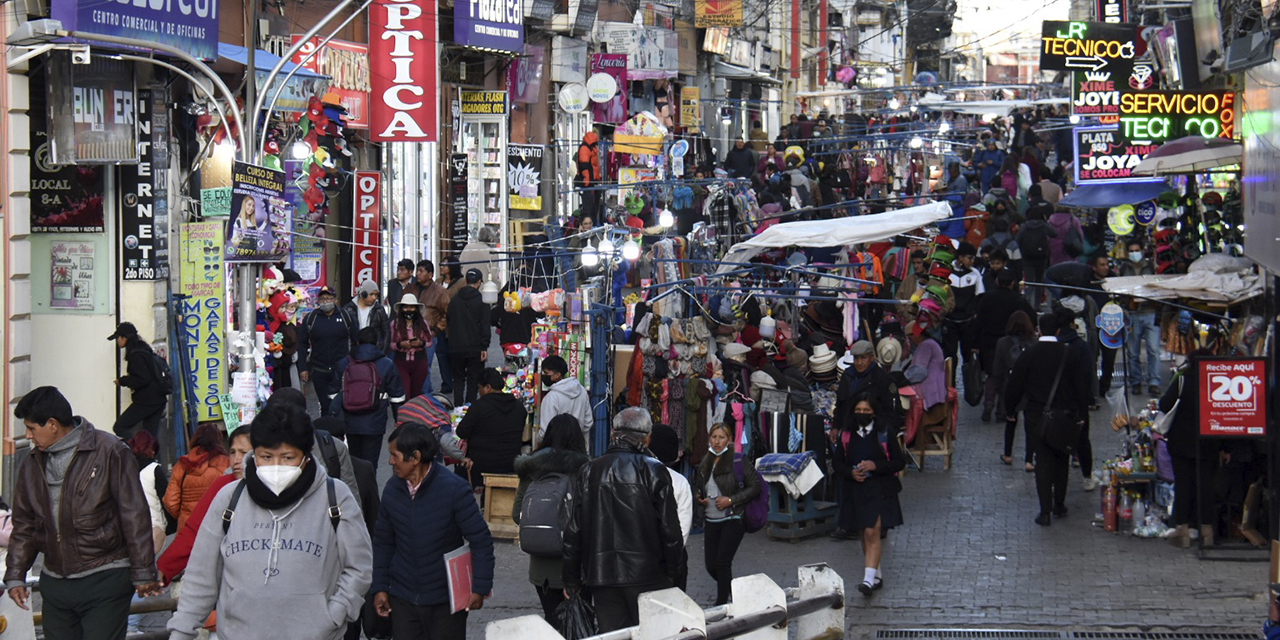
pixel 1048 338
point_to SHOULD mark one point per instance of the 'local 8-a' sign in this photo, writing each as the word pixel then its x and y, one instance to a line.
pixel 1233 396
pixel 489 24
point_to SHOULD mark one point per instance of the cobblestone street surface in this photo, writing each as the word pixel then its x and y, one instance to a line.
pixel 970 556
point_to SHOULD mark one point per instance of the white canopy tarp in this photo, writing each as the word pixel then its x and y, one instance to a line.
pixel 1203 286
pixel 838 232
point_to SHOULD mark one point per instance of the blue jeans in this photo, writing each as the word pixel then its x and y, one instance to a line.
pixel 427 387
pixel 442 359
pixel 1143 329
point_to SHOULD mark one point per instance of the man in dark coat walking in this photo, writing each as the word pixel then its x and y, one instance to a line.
pixel 469 338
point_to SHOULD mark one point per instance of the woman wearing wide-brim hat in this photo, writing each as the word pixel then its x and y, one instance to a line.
pixel 410 338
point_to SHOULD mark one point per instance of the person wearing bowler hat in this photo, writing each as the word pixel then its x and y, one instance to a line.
pixel 143 378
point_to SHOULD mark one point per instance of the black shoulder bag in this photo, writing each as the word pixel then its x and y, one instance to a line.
pixel 1060 428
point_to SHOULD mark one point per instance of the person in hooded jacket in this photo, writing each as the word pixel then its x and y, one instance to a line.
pixel 1065 226
pixel 562 451
pixel 587 162
pixel 493 428
pixel 470 334
pixel 195 472
pixel 740 162
pixel 290 555
pixel 565 395
pixel 142 377
pixel 365 429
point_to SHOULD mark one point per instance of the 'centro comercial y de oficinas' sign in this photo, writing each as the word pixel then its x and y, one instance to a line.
pixel 190 25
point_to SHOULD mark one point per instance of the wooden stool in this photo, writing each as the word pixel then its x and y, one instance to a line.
pixel 521 228
pixel 499 498
pixel 936 439
pixel 792 519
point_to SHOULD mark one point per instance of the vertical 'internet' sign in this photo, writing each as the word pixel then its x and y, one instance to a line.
pixel 402 63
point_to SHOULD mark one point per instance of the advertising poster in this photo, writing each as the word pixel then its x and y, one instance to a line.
pixel 458 201
pixel 652 52
pixel 71 275
pixel 1233 396
pixel 524 75
pixel 140 185
pixel 615 64
pixel 347 65
pixel 91 111
pixel 258 230
pixel 307 248
pixel 483 103
pixel 489 25
pixel 1101 155
pixel 524 176
pixel 691 109
pixel 717 13
pixel 403 71
pixel 366 255
pixel 203 315
pixel 188 25
pixel 64 198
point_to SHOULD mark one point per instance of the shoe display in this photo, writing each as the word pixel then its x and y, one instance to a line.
pixel 1043 520
pixel 1060 511
pixel 1089 484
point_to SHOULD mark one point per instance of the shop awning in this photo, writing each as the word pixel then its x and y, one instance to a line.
pixel 1201 286
pixel 735 72
pixel 263 61
pixel 1191 154
pixel 1112 194
pixel 839 232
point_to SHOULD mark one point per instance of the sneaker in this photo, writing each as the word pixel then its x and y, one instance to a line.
pixel 986 416
pixel 1154 390
pixel 1136 390
pixel 1089 484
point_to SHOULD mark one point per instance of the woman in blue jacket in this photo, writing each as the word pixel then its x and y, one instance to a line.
pixel 987 162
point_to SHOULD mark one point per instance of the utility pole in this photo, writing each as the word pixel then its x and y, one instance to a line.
pixel 248 297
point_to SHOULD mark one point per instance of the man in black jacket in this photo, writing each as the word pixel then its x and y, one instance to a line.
pixel 142 376
pixel 469 338
pixel 994 309
pixel 1033 375
pixel 623 535
pixel 493 428
pixel 324 337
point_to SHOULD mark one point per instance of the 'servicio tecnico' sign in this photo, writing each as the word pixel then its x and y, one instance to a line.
pixel 489 24
pixel 1159 116
pixel 1090 46
pixel 1102 155
pixel 366 255
pixel 1233 396
pixel 402 63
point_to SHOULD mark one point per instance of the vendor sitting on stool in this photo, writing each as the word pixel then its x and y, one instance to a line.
pixel 927 374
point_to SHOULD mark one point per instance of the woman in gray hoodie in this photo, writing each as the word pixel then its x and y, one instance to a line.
pixel 290 555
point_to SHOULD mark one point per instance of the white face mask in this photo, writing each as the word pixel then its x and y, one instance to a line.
pixel 278 477
pixel 717 453
pixel 1135 256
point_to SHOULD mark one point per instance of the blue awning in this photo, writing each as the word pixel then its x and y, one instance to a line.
pixel 263 61
pixel 1109 195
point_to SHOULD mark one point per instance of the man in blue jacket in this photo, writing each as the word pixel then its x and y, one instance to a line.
pixel 426 513
pixel 370 384
pixel 324 337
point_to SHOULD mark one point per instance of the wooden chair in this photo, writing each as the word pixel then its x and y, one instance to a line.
pixel 936 439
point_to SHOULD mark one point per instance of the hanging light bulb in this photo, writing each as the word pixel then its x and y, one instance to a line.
pixel 489 291
pixel 606 249
pixel 917 142
pixel 589 257
pixel 768 326
pixel 894 104
pixel 944 127
pixel 299 150
pixel 666 220
pixel 631 250
pixel 1074 119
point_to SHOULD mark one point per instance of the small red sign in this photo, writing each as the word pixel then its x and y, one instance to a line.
pixel 367 253
pixel 1233 396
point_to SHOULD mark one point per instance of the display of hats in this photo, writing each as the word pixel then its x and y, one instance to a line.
pixel 797 358
pixel 940 272
pixel 735 351
pixel 823 360
pixel 1211 199
pixel 888 352
pixel 845 361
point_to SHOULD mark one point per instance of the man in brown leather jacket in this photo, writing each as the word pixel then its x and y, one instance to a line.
pixel 78 500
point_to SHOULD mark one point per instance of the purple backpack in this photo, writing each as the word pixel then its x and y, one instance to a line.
pixel 756 514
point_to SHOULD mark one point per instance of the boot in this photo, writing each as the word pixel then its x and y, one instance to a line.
pixel 1181 538
pixel 1206 534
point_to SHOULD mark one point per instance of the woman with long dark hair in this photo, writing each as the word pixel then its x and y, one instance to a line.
pixel 724 487
pixel 142 377
pixel 410 339
pixel 563 451
pixel 195 472
pixel 1019 334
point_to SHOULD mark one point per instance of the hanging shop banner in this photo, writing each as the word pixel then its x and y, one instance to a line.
pixel 1094 94
pixel 569 60
pixel 347 65
pixel 203 316
pixel 615 110
pixel 691 109
pixel 71 275
pixel 259 229
pixel 585 19
pixel 190 25
pixel 403 71
pixel 524 176
pixel 524 75
pixel 1102 155
pixel 483 103
pixel 366 255
pixel 1092 46
pixel 458 201
pixel 63 199
pixel 652 52
pixel 1112 11
pixel 1233 397
pixel 489 24
pixel 717 13
pixel 307 249
pixel 1155 117
pixel 91 111
pixel 141 192
pixel 686 47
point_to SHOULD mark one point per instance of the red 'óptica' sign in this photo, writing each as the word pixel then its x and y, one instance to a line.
pixel 402 69
pixel 1233 396
pixel 367 253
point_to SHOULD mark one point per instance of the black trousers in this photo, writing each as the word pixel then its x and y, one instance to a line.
pixel 1193 502
pixel 95 607
pixel 146 415
pixel 721 540
pixel 1084 450
pixel 282 372
pixel 1108 369
pixel 1052 466
pixel 466 376
pixel 1010 429
pixel 619 607
pixel 367 448
pixel 326 385
pixel 550 597
pixel 428 622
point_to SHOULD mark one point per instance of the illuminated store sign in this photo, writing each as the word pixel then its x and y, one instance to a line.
pixel 1159 116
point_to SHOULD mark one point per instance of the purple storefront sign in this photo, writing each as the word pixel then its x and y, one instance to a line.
pixel 489 24
pixel 190 25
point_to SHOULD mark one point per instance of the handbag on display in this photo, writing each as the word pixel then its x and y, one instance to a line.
pixel 1165 420
pixel 1060 428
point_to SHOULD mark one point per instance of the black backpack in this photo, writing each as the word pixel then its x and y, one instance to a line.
pixel 335 512
pixel 1033 242
pixel 164 377
pixel 329 450
pixel 543 515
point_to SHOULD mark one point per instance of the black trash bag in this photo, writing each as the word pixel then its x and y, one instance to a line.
pixel 577 617
pixel 973 380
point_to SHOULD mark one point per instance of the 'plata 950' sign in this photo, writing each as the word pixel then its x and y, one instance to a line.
pixel 1160 116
